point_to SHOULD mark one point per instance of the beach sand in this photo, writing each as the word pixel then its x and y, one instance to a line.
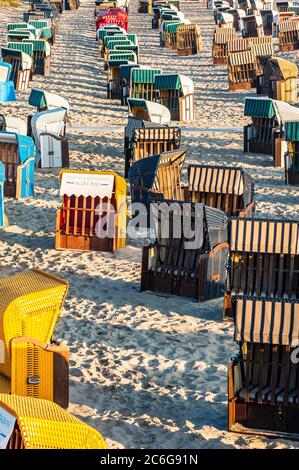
pixel 147 371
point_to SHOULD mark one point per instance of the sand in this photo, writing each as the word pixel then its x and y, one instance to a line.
pixel 147 371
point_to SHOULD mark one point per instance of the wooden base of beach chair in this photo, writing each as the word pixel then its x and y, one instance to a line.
pixel 292 177
pixel 288 47
pixel 83 243
pixel 219 61
pixel 16 442
pixel 263 419
pixel 240 86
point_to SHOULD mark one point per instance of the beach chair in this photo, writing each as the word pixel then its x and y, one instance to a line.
pixel 125 80
pixel 46 29
pixel 263 381
pixel 283 80
pixel 252 26
pixel 228 189
pixel 31 365
pixel 147 132
pixel 288 36
pixel 2 180
pixel 48 130
pixel 17 154
pixel 72 4
pixel 145 6
pixel 7 89
pixel 41 56
pixel 174 266
pixel 189 39
pixel 166 37
pixel 107 31
pixel 44 101
pixel 291 135
pixel 21 67
pixel 267 20
pixel 282 6
pixel 176 92
pixel 32 423
pixel 219 47
pixel 170 35
pixel 115 16
pixel 114 88
pixel 158 175
pixel 93 212
pixel 258 136
pixel 264 260
pixel 241 70
pixel 142 83
pixel 224 20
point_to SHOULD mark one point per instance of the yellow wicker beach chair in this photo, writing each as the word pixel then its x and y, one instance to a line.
pixel 41 424
pixel 29 306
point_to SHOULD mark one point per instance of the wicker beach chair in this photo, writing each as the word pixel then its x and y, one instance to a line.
pixel 189 39
pixel 158 175
pixel 252 26
pixel 41 56
pixel 264 260
pixel 219 47
pixel 93 212
pixel 291 136
pixel 176 92
pixel 125 80
pixel 145 6
pixel 31 366
pixel 267 20
pixel 263 381
pixel 167 35
pixel 147 132
pixel 228 189
pixel 21 66
pixel 115 16
pixel 2 180
pixel 288 36
pixel 17 154
pixel 142 83
pixel 114 80
pixel 48 130
pixel 241 70
pixel 173 266
pixel 282 80
pixel 7 89
pixel 258 136
pixel 40 424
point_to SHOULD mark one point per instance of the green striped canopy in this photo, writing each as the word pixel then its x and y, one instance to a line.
pixel 21 46
pixel 17 36
pixel 145 75
pixel 37 98
pixel 39 24
pixel 119 37
pixel 125 70
pixel 167 82
pixel 172 26
pixel 256 107
pixel 13 26
pixel 291 131
pixel 113 44
pixel 46 33
pixel 38 45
